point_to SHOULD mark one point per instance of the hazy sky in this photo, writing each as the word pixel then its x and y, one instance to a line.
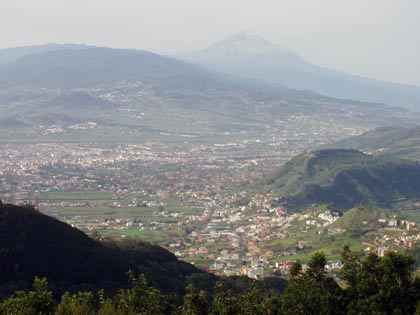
pixel 374 38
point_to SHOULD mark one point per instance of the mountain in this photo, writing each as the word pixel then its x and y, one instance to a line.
pixel 249 56
pixel 388 141
pixel 343 179
pixel 133 95
pixel 10 55
pixel 70 68
pixel 244 47
pixel 33 244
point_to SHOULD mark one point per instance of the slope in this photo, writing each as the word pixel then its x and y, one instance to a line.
pixel 69 68
pixel 10 55
pixel 390 141
pixel 247 55
pixel 133 94
pixel 33 244
pixel 359 219
pixel 343 179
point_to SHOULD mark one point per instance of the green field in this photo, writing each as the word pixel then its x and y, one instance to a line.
pixel 90 209
pixel 158 236
pixel 329 250
pixel 76 196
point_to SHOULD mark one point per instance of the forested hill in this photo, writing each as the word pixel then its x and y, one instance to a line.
pixel 343 179
pixel 33 244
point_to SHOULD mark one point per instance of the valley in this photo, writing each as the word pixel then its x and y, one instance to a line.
pixel 198 201
pixel 131 144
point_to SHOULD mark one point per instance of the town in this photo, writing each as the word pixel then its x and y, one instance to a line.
pixel 195 200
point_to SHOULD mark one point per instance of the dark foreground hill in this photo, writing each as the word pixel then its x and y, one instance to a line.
pixel 343 179
pixel 33 244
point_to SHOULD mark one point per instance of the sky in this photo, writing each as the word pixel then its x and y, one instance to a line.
pixel 373 38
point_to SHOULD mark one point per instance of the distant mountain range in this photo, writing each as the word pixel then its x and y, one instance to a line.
pixel 149 94
pixel 249 56
pixel 10 55
pixel 88 66
pixel 343 179
pixel 387 141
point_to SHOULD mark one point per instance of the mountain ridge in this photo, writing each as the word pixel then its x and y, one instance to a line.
pixel 289 69
pixel 243 45
pixel 342 179
pixel 393 141
pixel 9 55
pixel 89 67
pixel 33 244
pixel 144 93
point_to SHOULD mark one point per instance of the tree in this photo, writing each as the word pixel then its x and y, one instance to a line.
pixel 140 298
pixel 36 302
pixel 313 292
pixel 378 285
pixel 224 302
pixel 81 303
pixel 195 303
pixel 296 269
pixel 316 266
pixel 256 301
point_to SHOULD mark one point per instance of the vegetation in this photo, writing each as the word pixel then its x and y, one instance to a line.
pixel 343 179
pixel 370 285
pixel 389 141
pixel 359 219
pixel 45 247
pixel 85 277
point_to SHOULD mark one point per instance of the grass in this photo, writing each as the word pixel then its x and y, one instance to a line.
pixel 86 216
pixel 146 235
pixel 305 254
pixel 76 196
pixel 412 215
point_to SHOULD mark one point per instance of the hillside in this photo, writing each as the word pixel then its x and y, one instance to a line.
pixel 90 66
pixel 359 218
pixel 343 179
pixel 131 95
pixel 249 56
pixel 33 244
pixel 390 141
pixel 10 55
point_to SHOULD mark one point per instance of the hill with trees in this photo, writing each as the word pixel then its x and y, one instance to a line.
pixel 35 245
pixel 360 218
pixel 342 179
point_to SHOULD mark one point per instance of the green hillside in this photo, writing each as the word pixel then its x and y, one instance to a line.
pixel 33 244
pixel 359 218
pixel 388 141
pixel 343 179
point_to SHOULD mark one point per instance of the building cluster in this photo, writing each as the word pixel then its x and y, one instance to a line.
pixel 188 199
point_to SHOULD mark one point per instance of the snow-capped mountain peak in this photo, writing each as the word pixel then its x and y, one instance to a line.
pixel 243 43
pixel 242 48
